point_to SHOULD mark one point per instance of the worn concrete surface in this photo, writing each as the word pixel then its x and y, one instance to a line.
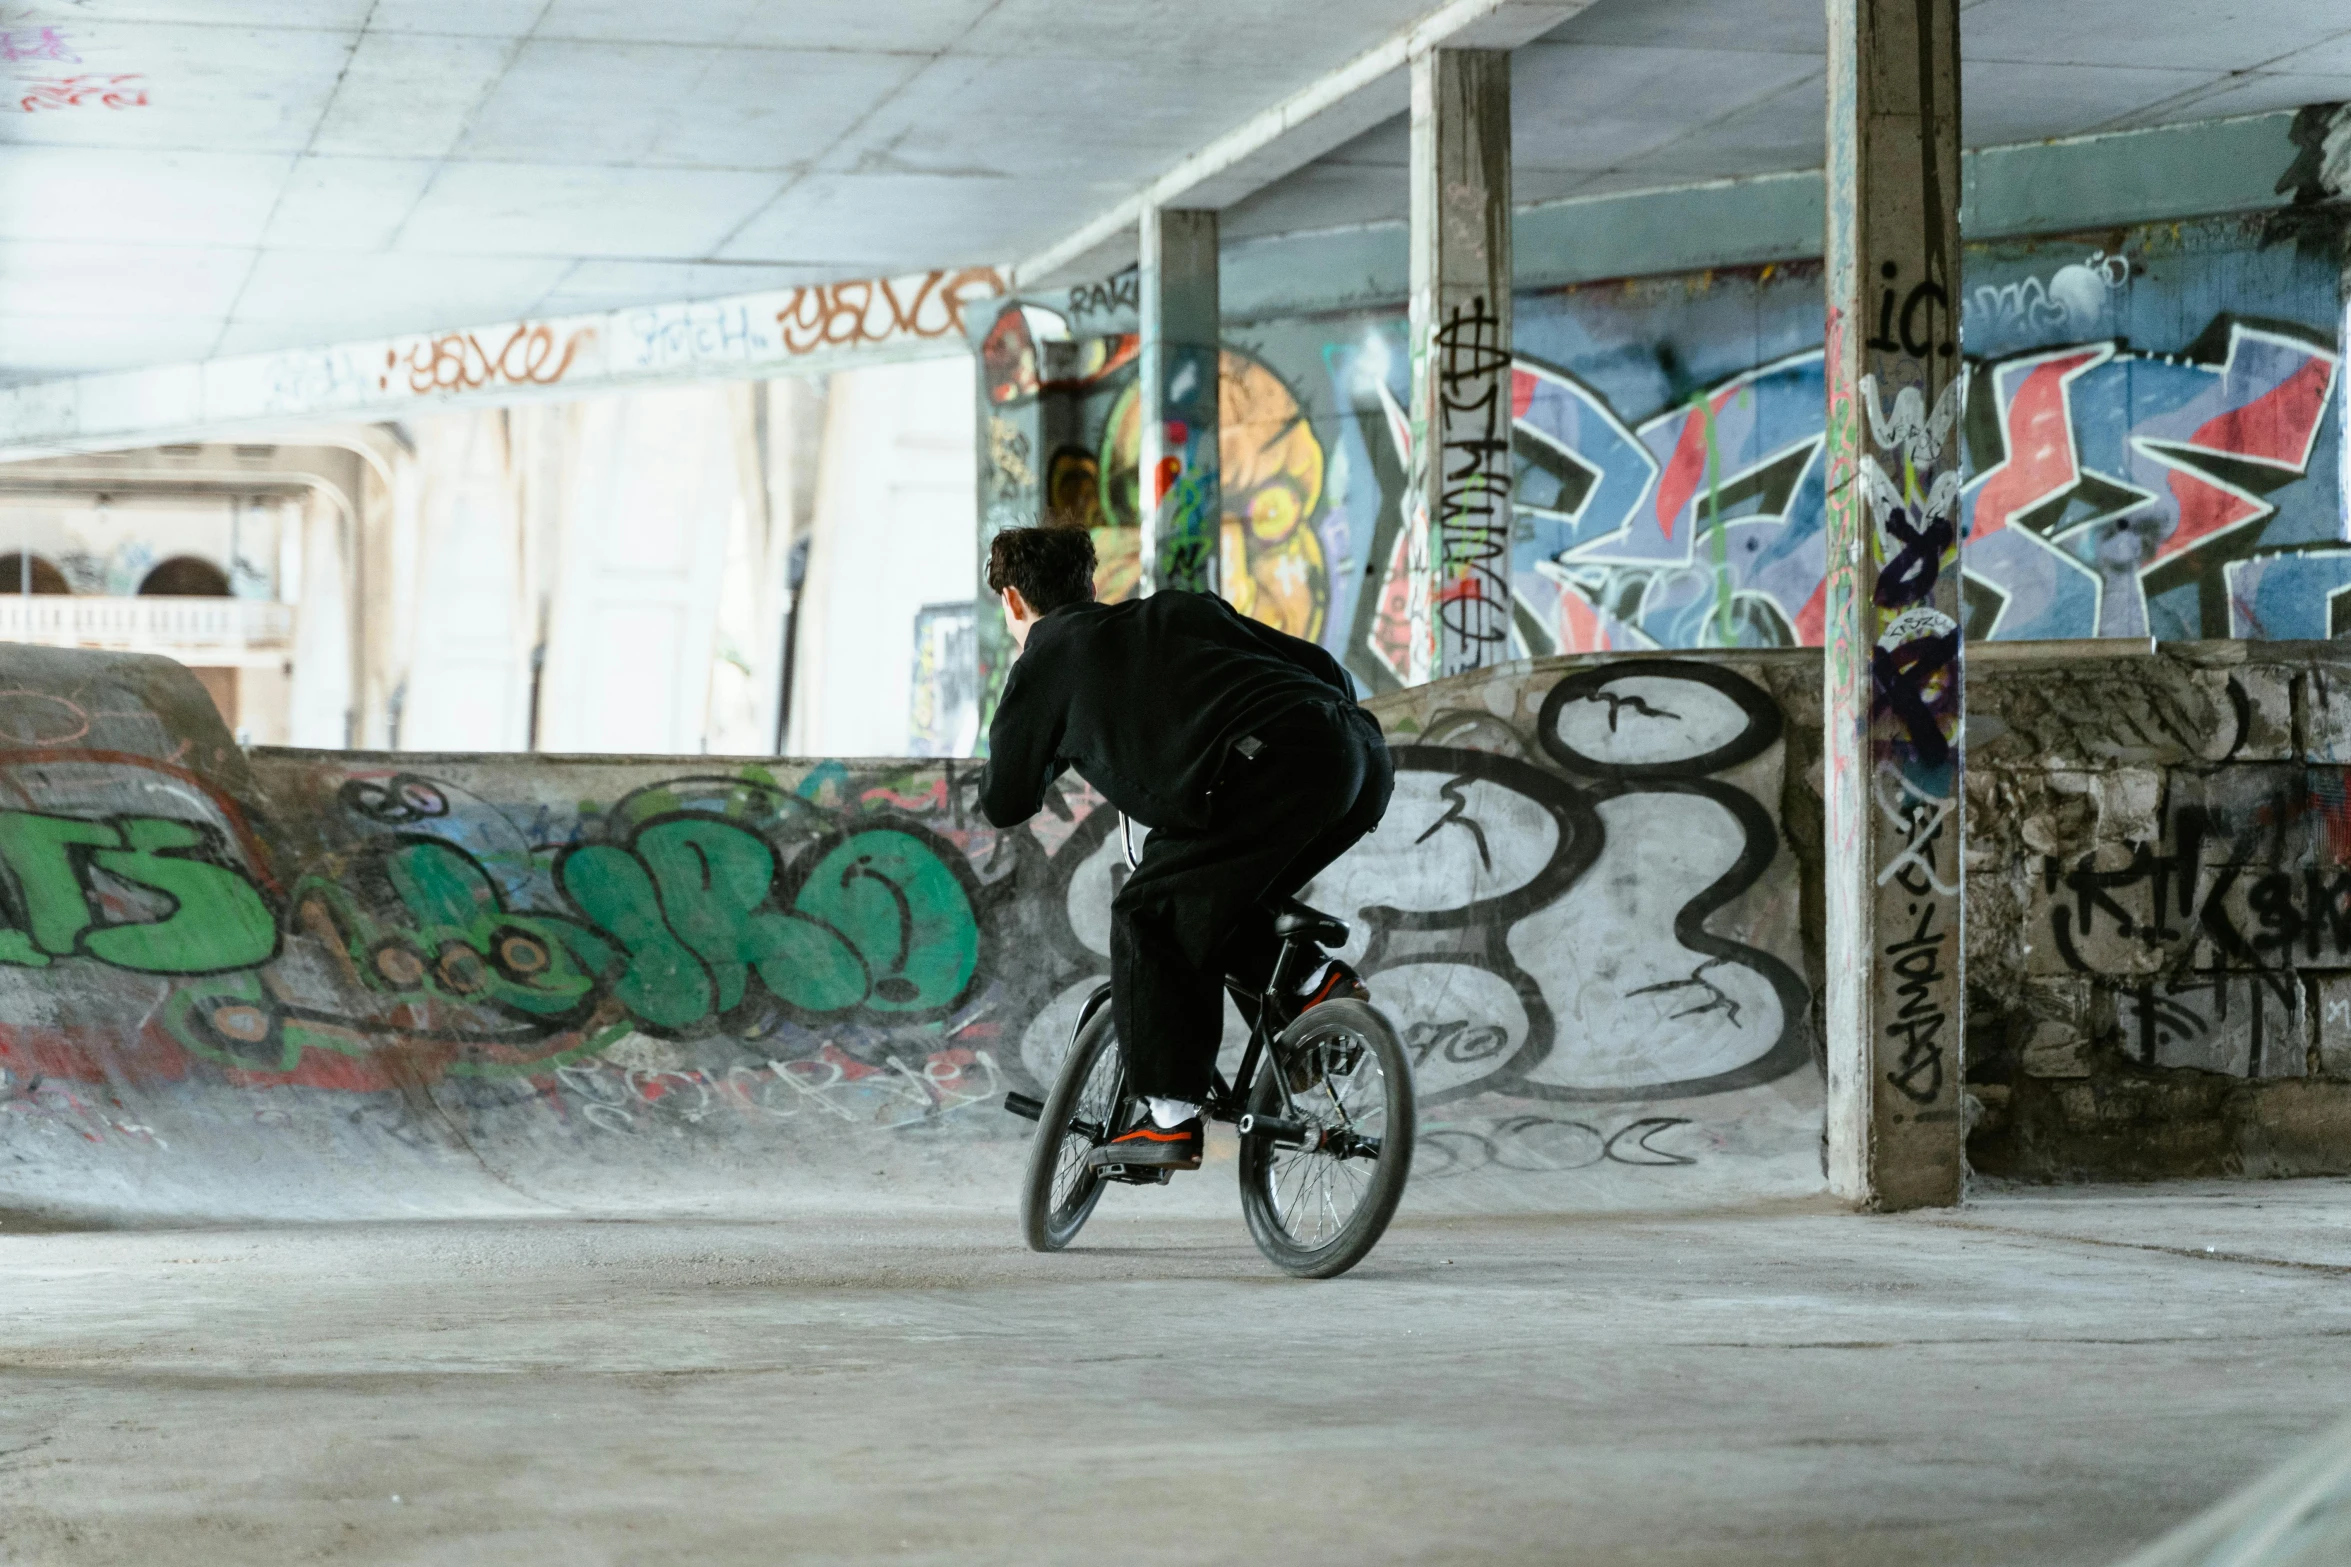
pixel 2297 1515
pixel 2037 1378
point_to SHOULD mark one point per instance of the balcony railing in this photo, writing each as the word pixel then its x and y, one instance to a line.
pixel 181 627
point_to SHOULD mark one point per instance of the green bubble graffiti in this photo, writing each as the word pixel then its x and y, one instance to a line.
pixel 673 925
pixel 903 911
pixel 462 941
pixel 216 920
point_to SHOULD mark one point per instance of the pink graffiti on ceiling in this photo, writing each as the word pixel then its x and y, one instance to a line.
pixel 35 43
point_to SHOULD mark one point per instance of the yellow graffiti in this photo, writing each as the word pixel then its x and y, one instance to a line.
pixel 1271 466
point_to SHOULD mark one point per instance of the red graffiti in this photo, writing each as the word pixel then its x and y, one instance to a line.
pixel 74 92
pixel 2042 463
pixel 457 362
pixel 1685 472
pixel 934 798
pixel 2276 429
pixel 840 315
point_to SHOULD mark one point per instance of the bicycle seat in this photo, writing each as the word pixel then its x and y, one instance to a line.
pixel 1292 918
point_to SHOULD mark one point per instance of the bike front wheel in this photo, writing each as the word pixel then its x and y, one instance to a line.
pixel 1084 1108
pixel 1319 1188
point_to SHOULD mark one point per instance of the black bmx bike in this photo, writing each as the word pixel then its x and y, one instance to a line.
pixel 1322 1100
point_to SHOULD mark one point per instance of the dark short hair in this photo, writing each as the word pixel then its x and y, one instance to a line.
pixel 1051 566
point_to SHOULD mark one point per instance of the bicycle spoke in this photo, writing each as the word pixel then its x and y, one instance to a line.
pixel 1097 1104
pixel 1316 1205
pixel 1315 1194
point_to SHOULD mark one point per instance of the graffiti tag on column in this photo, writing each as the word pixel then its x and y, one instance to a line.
pixel 1913 510
pixel 1918 1022
pixel 1910 485
pixel 1472 544
pixel 1919 816
pixel 1926 296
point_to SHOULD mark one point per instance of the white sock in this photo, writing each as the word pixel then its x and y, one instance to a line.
pixel 1167 1114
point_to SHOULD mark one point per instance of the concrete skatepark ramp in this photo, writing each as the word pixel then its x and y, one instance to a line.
pixel 320 984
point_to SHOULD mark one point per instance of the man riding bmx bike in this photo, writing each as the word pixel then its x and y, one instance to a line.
pixel 1242 748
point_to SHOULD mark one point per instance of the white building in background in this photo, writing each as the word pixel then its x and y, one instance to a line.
pixel 199 552
pixel 895 530
pixel 607 575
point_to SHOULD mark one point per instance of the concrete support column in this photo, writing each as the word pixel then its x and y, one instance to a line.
pixel 1897 1138
pixel 1181 505
pixel 1459 517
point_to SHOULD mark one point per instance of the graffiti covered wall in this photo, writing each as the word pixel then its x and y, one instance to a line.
pixel 308 981
pixel 326 983
pixel 2152 444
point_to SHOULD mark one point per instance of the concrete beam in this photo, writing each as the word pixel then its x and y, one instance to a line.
pixel 1894 704
pixel 1461 375
pixel 1302 127
pixel 2049 187
pixel 793 331
pixel 1182 508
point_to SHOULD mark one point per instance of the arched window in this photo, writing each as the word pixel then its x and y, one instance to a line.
pixel 187 576
pixel 46 578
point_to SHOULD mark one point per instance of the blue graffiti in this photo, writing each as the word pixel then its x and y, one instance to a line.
pixel 2100 480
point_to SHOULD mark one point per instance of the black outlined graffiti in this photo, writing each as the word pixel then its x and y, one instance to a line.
pixel 395 801
pixel 1542 1144
pixel 1472 521
pixel 1713 720
pixel 1756 731
pixel 1927 296
pixel 1119 292
pixel 1500 956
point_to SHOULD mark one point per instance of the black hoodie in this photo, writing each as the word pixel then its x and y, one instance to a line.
pixel 1143 699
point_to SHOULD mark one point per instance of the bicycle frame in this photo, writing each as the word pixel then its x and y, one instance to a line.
pixel 1227 1101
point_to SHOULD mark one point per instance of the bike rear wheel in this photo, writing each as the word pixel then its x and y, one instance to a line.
pixel 1317 1207
pixel 1086 1105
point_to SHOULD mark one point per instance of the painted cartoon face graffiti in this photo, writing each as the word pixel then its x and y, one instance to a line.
pixel 1270 477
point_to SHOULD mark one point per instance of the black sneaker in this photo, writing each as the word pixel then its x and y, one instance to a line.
pixel 1151 1146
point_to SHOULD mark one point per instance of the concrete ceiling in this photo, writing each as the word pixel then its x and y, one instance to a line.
pixel 282 173
pixel 314 171
pixel 1635 94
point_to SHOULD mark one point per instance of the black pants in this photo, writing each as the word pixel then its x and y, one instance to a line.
pixel 1195 908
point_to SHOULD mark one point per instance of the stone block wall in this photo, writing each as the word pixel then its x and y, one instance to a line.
pixel 2159 909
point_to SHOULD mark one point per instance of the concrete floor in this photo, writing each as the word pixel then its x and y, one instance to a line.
pixel 2039 1378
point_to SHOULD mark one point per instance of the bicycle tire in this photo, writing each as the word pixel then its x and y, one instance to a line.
pixel 1059 1192
pixel 1267 1168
